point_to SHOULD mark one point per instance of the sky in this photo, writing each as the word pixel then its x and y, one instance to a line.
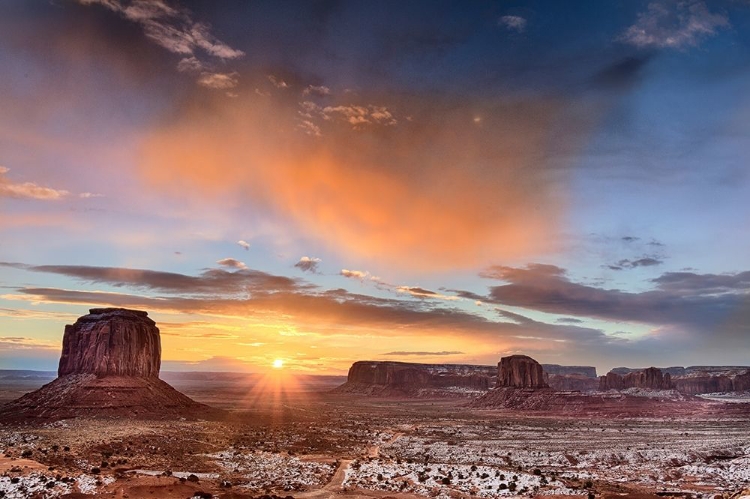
pixel 322 182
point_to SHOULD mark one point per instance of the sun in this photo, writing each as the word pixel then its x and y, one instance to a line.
pixel 278 364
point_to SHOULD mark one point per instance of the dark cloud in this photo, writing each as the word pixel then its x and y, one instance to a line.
pixel 630 239
pixel 425 353
pixel 701 306
pixel 568 320
pixel 469 295
pixel 215 281
pixel 646 261
pixel 690 282
pixel 308 264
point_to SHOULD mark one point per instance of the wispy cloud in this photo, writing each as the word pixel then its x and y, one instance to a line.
pixel 174 29
pixel 319 90
pixel 28 190
pixel 219 81
pixel 674 24
pixel 645 261
pixel 355 274
pixel 514 23
pixel 278 82
pixel 418 292
pixel 308 264
pixel 231 262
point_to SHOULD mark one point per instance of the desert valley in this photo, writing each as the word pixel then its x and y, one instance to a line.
pixel 108 426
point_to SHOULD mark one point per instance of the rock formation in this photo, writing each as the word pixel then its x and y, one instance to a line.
pixel 520 371
pixel 109 367
pixel 651 378
pixel 694 385
pixel 111 342
pixel 742 382
pixel 404 378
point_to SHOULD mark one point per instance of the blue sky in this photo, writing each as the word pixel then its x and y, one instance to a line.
pixel 562 179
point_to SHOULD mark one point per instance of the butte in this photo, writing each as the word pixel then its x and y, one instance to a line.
pixel 109 368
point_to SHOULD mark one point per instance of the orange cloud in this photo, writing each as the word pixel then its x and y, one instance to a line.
pixel 435 192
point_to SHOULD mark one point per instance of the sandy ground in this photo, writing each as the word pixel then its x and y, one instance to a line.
pixel 317 446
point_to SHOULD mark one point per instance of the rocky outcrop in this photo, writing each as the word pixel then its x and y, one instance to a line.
pixel 695 385
pixel 111 342
pixel 558 370
pixel 520 371
pixel 651 378
pixel 404 378
pixel 742 382
pixel 109 367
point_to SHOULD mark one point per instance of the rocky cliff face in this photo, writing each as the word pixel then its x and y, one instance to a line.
pixel 373 377
pixel 742 382
pixel 694 380
pixel 695 385
pixel 111 342
pixel 109 368
pixel 651 378
pixel 520 371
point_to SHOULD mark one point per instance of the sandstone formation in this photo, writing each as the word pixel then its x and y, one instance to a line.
pixel 651 378
pixel 695 385
pixel 742 382
pixel 111 342
pixel 109 367
pixel 404 378
pixel 520 371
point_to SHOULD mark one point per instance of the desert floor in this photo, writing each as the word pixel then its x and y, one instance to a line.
pixel 306 443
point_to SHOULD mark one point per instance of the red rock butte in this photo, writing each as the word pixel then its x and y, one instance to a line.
pixel 112 342
pixel 520 371
pixel 109 367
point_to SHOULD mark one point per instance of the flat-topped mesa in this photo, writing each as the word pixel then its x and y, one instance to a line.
pixel 520 371
pixel 406 378
pixel 111 342
pixel 651 378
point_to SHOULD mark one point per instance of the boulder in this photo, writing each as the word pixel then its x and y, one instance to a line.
pixel 520 371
